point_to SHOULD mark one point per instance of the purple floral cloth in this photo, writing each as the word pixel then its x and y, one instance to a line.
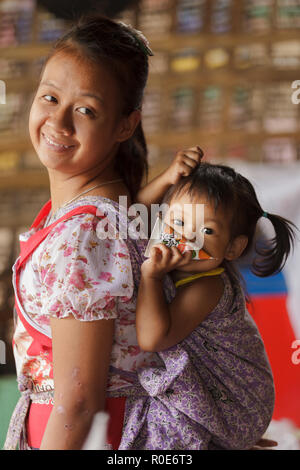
pixel 215 390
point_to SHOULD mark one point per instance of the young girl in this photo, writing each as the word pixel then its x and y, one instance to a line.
pixel 76 292
pixel 215 380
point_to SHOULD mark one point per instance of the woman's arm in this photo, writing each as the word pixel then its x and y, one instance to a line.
pixel 81 357
pixel 182 165
pixel 161 325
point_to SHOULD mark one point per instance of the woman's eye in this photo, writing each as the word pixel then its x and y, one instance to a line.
pixel 49 98
pixel 178 222
pixel 207 231
pixel 86 111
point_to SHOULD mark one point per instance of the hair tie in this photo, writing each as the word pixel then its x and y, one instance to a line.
pixel 265 214
pixel 140 40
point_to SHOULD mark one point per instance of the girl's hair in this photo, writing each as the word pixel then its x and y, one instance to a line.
pixel 234 193
pixel 105 41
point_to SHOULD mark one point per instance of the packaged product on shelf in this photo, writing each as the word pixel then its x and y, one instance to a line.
pixel 216 58
pixel 16 22
pixel 191 15
pixel 221 16
pixel 185 60
pixel 152 110
pixel 153 156
pixel 128 17
pixel 9 161
pixel 251 55
pixel 6 240
pixel 159 63
pixel 257 15
pixel 246 107
pixel 155 17
pixel 213 152
pixel 277 150
pixel 36 66
pixel 182 109
pixel 280 115
pixel 10 114
pixel 211 109
pixel 12 68
pixel 286 54
pixel 288 14
pixel 239 151
pixel 49 28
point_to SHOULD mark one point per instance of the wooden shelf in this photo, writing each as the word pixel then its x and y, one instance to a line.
pixel 176 41
pixel 25 179
pixel 181 139
pixel 223 77
pixel 25 52
pixel 168 42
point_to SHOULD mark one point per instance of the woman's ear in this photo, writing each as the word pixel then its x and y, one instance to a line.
pixel 128 125
pixel 236 247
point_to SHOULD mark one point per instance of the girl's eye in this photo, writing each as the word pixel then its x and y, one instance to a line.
pixel 178 222
pixel 87 111
pixel 207 231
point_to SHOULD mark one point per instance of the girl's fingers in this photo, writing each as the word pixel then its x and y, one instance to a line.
pixel 186 257
pixel 266 443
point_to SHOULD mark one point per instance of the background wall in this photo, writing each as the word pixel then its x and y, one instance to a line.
pixel 221 77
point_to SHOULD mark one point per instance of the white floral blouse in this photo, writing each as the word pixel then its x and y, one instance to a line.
pixel 74 272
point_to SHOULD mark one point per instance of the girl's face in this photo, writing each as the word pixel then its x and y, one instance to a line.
pixel 210 226
pixel 75 120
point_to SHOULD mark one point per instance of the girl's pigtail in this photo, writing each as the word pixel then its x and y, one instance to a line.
pixel 273 254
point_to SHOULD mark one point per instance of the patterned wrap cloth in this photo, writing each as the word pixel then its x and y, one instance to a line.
pixel 214 390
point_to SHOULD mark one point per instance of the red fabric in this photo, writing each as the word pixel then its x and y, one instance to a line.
pixel 272 319
pixel 39 414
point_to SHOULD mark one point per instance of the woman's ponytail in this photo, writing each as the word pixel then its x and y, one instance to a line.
pixel 274 253
pixel 131 161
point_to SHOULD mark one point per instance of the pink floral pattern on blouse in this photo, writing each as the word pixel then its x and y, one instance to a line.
pixel 74 272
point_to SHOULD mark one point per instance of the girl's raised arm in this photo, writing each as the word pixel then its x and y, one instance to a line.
pixel 184 162
pixel 81 357
pixel 160 325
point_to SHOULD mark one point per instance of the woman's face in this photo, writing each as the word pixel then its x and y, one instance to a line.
pixel 75 120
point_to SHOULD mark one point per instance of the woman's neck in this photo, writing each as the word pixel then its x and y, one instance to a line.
pixel 64 187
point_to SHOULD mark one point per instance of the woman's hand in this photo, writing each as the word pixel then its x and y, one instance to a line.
pixel 184 162
pixel 163 260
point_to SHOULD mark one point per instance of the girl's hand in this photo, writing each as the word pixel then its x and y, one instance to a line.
pixel 184 162
pixel 163 260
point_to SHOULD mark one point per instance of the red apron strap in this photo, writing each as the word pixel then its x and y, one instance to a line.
pixel 27 247
pixel 42 214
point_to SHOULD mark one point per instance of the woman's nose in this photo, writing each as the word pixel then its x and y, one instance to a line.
pixel 60 120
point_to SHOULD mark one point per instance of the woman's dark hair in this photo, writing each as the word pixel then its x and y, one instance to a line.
pixel 105 41
pixel 232 191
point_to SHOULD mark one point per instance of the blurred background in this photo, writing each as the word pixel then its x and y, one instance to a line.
pixel 222 77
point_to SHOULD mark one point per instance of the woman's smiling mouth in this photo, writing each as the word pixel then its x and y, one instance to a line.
pixel 55 145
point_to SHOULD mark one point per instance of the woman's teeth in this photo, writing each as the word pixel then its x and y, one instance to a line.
pixel 56 144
